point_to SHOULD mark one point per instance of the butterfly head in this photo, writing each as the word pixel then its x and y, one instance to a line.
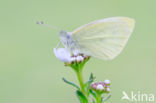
pixel 66 39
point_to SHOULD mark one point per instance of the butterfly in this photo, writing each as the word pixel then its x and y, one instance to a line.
pixel 103 39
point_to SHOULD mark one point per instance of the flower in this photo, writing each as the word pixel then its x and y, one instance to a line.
pixel 107 81
pixel 79 58
pixel 63 55
pixel 101 86
pixel 66 56
pixel 108 89
pixel 73 59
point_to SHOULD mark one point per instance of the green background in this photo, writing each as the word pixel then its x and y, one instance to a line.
pixel 29 71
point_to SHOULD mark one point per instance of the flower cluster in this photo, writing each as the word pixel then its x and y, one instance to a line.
pixel 66 56
pixel 101 86
pixel 76 61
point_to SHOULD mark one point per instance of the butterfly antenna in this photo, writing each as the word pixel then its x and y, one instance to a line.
pixel 47 25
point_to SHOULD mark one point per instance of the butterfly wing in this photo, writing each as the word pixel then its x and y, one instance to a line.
pixel 103 39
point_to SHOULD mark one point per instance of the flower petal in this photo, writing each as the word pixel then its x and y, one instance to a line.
pixel 62 54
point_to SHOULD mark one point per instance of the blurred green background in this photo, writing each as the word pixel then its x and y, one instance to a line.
pixel 29 71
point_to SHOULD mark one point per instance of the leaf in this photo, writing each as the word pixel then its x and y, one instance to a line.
pixel 88 83
pixel 70 83
pixel 81 97
pixel 105 99
pixel 91 76
pixel 93 93
pixel 91 79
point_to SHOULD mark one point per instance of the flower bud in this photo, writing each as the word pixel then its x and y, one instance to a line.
pixel 94 85
pixel 107 81
pixel 100 87
pixel 79 58
pixel 108 89
pixel 73 59
pixel 102 83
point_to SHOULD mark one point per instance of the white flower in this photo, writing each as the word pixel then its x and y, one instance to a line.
pixel 73 59
pixel 108 89
pixel 107 81
pixel 62 54
pixel 79 58
pixel 100 87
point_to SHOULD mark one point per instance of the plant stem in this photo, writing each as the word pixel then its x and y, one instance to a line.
pixel 98 99
pixel 80 79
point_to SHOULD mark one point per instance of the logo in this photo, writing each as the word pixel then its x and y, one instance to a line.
pixel 137 96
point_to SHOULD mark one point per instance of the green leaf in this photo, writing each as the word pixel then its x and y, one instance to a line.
pixel 81 97
pixel 93 93
pixel 91 79
pixel 70 83
pixel 91 76
pixel 105 99
pixel 88 83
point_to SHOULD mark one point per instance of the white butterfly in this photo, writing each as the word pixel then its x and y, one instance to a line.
pixel 103 39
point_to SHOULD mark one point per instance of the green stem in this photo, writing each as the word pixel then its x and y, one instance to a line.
pixel 80 79
pixel 98 99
